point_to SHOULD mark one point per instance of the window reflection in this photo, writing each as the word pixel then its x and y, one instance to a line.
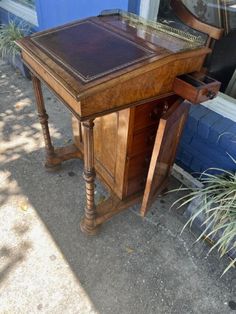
pixel 28 3
pixel 221 13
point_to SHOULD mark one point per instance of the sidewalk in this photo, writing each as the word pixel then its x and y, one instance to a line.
pixel 134 266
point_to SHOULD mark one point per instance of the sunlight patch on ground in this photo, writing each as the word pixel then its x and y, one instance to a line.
pixel 23 103
pixel 34 274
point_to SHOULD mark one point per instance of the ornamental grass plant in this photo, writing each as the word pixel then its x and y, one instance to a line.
pixel 9 33
pixel 215 204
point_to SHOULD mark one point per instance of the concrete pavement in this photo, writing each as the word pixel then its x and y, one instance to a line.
pixel 134 266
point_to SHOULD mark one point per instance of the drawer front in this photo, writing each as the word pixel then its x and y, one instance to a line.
pixel 196 87
pixel 142 141
pixel 150 113
pixel 136 185
pixel 138 165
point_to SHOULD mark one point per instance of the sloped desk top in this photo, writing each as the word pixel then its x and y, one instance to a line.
pixel 91 51
pixel 82 61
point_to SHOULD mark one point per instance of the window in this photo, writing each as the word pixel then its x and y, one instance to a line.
pixel 25 9
pixel 149 9
pixel 28 3
pixel 221 13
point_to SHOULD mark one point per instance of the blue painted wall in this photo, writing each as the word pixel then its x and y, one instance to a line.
pixel 57 12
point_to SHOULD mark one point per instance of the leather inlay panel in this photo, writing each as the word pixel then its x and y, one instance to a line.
pixel 91 51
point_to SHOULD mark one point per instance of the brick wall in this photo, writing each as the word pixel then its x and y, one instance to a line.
pixel 207 140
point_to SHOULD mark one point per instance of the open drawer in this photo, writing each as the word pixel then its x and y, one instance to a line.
pixel 196 87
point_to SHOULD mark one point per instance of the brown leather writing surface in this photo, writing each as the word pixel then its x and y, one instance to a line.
pixel 167 138
pixel 90 50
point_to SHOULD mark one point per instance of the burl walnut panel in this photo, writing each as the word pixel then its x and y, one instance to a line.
pixel 150 84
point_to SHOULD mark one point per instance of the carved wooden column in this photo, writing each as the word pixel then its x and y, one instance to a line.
pixel 43 119
pixel 88 224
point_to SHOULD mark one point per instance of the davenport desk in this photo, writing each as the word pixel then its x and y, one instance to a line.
pixel 124 81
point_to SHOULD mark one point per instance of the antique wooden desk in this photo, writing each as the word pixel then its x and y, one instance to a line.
pixel 118 77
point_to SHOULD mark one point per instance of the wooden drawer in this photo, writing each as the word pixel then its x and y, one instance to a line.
pixel 136 185
pixel 196 87
pixel 138 165
pixel 142 141
pixel 151 112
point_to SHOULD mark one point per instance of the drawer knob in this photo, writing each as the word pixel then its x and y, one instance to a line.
pixel 211 94
pixel 154 114
pixel 166 107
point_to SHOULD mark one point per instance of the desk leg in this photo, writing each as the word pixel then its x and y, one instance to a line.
pixel 88 224
pixel 43 119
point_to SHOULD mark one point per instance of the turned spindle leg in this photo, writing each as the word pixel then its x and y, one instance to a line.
pixel 43 119
pixel 88 224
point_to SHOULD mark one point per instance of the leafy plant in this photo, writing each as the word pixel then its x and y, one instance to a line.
pixel 216 204
pixel 9 33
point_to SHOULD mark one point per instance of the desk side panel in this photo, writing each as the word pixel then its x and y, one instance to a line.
pixel 110 147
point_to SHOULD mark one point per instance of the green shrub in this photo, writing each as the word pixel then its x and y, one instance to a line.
pixel 9 33
pixel 216 204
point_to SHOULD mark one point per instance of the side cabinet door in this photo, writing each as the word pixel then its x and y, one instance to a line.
pixel 164 151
